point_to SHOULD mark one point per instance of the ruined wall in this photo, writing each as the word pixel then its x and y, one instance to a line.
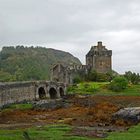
pixel 16 92
pixel 60 73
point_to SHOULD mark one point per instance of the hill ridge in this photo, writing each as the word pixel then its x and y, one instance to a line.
pixel 31 63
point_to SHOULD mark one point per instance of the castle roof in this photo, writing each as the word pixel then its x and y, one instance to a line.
pixel 99 50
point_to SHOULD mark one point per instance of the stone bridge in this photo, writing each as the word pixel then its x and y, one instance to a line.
pixel 16 92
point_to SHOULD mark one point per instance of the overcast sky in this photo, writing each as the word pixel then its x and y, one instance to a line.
pixel 74 26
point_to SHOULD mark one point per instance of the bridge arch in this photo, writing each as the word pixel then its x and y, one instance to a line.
pixel 41 93
pixel 61 91
pixel 53 93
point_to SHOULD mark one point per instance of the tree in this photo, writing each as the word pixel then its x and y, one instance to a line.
pixel 77 79
pixel 132 77
pixel 5 76
pixel 111 75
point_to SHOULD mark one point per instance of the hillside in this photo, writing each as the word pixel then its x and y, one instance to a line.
pixel 28 63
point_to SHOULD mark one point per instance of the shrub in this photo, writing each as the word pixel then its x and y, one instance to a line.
pixel 88 87
pixel 71 88
pixel 77 80
pixel 92 89
pixel 118 84
pixel 91 76
pixel 101 77
pixel 111 75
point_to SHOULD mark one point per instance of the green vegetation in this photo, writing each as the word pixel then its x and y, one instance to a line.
pixel 29 63
pixel 54 132
pixel 102 88
pixel 118 84
pixel 77 79
pixel 133 89
pixel 87 87
pixel 21 106
pixel 98 77
pixel 132 77
pixel 132 134
pixel 18 106
pixel 94 76
pixel 62 132
pixel 106 84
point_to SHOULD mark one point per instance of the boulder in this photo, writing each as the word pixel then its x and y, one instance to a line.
pixel 128 114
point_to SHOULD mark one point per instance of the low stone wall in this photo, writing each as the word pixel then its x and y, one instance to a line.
pixel 26 91
pixel 16 92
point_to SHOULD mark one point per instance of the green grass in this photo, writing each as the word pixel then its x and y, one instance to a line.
pixel 86 87
pixel 101 88
pixel 18 106
pixel 21 106
pixel 133 90
pixel 132 134
pixel 62 132
pixel 54 132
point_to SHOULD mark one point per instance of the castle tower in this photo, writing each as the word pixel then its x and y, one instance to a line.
pixel 99 58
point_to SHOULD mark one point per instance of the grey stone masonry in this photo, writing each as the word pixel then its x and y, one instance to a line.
pixel 99 58
pixel 16 92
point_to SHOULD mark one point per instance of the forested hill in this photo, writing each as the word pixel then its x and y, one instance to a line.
pixel 30 63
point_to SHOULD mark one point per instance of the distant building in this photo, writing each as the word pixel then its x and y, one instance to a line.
pixel 98 58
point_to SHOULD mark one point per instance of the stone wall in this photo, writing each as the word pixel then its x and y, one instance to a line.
pixel 59 73
pixel 16 92
pixel 28 91
pixel 103 64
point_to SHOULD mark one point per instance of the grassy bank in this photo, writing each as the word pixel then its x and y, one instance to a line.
pixel 19 106
pixel 101 88
pixel 132 134
pixel 62 132
pixel 54 132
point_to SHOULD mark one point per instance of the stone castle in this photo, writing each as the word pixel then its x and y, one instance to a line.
pixel 99 58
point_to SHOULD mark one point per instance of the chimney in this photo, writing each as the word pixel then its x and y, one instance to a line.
pixel 99 44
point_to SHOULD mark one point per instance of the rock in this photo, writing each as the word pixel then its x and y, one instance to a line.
pixel 128 114
pixel 50 104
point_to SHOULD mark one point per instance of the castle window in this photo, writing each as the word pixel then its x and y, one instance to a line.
pixel 101 63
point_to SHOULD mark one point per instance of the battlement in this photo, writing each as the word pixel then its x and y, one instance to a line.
pixel 77 67
pixel 99 50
